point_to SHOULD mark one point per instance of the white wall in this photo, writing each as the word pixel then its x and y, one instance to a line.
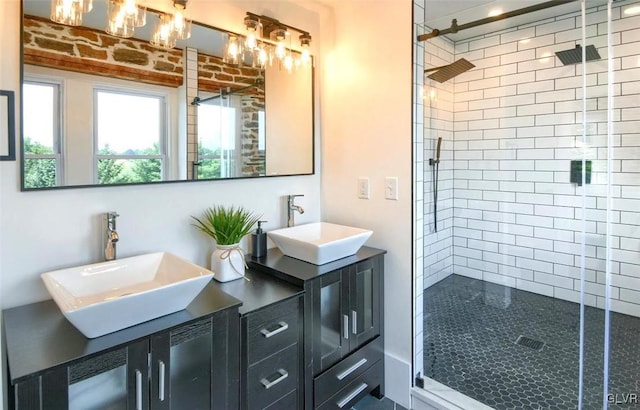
pixel 366 117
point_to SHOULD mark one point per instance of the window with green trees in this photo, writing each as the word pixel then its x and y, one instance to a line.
pixel 41 129
pixel 130 137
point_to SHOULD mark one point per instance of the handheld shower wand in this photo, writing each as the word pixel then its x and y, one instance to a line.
pixel 435 163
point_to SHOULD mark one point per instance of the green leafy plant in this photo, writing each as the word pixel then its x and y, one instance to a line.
pixel 227 226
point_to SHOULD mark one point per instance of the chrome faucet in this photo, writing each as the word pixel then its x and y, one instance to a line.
pixel 111 236
pixel 291 208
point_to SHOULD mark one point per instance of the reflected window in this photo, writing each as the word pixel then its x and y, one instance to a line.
pixel 130 137
pixel 218 130
pixel 42 135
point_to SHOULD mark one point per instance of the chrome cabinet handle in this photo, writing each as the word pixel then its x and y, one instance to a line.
pixel 351 369
pixel 161 373
pixel 138 390
pixel 345 326
pixel 267 384
pixel 283 326
pixel 352 395
pixel 354 325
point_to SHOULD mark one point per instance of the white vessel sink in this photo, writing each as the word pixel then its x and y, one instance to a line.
pixel 319 242
pixel 105 297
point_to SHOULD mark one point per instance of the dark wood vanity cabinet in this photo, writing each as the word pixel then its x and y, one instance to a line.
pixel 343 325
pixel 187 360
pixel 108 380
pixel 271 357
pixel 346 312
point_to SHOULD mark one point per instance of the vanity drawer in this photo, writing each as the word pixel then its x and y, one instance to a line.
pixel 355 390
pixel 272 378
pixel 271 330
pixel 345 371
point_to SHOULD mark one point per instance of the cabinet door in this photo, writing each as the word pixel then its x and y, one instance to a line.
pixel 113 380
pixel 331 320
pixel 364 301
pixel 181 367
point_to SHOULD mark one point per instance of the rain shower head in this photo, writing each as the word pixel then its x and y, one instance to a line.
pixel 574 55
pixel 447 72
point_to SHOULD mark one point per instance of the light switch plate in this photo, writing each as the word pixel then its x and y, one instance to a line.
pixel 363 188
pixel 391 188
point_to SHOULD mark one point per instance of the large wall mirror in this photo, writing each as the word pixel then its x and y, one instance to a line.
pixel 100 110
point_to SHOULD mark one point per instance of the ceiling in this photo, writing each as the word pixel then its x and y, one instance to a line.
pixel 439 13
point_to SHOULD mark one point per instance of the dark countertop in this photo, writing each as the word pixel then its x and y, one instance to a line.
pixel 38 337
pixel 259 291
pixel 297 271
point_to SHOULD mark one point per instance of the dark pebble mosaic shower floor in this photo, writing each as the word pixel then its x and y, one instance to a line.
pixel 471 332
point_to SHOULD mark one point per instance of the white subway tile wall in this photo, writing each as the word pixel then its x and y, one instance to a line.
pixel 507 211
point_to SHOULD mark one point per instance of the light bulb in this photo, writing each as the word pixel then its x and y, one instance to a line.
pixel 163 35
pixel 252 26
pixel 251 42
pixel 181 26
pixel 233 50
pixel 262 56
pixel 68 12
pixel 288 63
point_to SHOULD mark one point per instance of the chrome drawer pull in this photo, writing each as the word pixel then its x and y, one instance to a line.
pixel 267 384
pixel 138 390
pixel 352 395
pixel 283 326
pixel 345 326
pixel 351 369
pixel 161 372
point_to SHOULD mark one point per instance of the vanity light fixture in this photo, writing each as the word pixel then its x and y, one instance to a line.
pixel 267 39
pixel 69 12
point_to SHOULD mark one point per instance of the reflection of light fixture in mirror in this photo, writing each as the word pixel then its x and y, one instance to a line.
pixel 123 16
pixel 181 24
pixel 69 12
pixel 233 50
pixel 261 55
pixel 252 26
pixel 163 35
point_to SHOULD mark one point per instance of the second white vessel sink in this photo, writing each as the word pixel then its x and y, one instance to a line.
pixel 319 242
pixel 109 296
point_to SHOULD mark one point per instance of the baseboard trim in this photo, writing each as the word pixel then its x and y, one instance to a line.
pixel 397 377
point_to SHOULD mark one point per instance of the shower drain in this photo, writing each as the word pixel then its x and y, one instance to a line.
pixel 530 343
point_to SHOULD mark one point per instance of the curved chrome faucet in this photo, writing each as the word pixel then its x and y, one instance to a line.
pixel 291 208
pixel 111 236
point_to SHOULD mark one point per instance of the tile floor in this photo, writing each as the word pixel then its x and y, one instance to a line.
pixel 471 329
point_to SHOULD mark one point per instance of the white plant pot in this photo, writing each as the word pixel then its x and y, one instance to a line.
pixel 227 262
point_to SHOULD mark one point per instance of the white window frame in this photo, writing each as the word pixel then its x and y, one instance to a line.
pixel 162 143
pixel 58 126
